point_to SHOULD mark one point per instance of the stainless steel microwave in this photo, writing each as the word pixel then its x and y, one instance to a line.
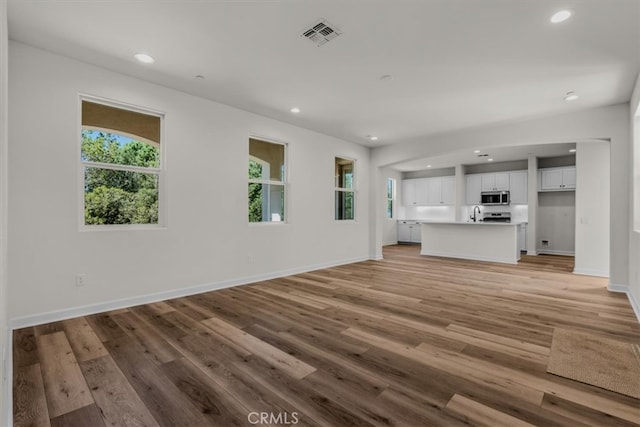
pixel 495 198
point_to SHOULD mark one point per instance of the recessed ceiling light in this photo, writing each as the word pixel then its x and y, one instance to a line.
pixel 571 96
pixel 144 58
pixel 489 160
pixel 295 110
pixel 573 150
pixel 560 16
pixel 428 166
pixel 372 138
pixel 476 151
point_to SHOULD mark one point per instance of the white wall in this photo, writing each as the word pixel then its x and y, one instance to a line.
pixel 390 226
pixel 592 216
pixel 208 239
pixel 5 336
pixel 610 122
pixel 634 193
pixel 557 223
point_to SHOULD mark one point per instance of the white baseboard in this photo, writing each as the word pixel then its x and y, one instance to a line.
pixel 532 253
pixel 624 289
pixel 57 315
pixel 389 243
pixel 474 257
pixel 590 272
pixel 552 252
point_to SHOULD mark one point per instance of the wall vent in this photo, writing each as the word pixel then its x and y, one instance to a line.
pixel 321 32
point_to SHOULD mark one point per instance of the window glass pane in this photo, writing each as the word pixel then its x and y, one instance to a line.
pixel 271 158
pixel 344 173
pixel 120 197
pixel 266 202
pixel 389 208
pixel 344 205
pixel 389 188
pixel 112 148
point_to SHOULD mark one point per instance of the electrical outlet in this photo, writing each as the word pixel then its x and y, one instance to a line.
pixel 81 279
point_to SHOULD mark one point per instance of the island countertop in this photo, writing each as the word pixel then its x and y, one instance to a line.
pixel 436 221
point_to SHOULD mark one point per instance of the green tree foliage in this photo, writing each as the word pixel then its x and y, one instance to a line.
pixel 255 192
pixel 115 196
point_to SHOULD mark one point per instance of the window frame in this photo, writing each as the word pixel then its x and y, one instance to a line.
pixel 284 183
pixel 353 190
pixel 391 199
pixel 160 171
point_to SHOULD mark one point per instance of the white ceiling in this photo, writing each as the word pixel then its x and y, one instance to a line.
pixel 498 154
pixel 453 63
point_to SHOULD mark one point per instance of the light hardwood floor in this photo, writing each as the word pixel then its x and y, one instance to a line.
pixel 408 340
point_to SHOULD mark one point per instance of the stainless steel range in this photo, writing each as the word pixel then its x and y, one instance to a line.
pixel 496 217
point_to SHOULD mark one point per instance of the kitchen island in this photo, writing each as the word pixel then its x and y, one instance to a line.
pixel 483 241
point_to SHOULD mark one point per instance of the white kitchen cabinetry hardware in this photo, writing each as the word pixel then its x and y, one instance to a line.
pixel 437 191
pixel 409 232
pixel 518 187
pixel 557 179
pixel 498 181
pixel 473 189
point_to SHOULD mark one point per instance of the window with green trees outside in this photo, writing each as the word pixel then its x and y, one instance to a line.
pixel 267 164
pixel 120 157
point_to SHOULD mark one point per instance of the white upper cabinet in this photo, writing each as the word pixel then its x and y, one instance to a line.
pixel 448 190
pixel 474 188
pixel 422 191
pixel 498 181
pixel 436 191
pixel 409 192
pixel 518 187
pixel 557 179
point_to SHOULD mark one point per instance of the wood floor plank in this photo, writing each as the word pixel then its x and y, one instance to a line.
pixel 85 343
pixel 292 366
pixel 408 340
pixel 64 384
pixel 25 349
pixel 82 417
pixel 481 415
pixel 114 396
pixel 29 401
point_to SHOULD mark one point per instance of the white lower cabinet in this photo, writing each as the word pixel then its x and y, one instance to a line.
pixel 409 232
pixel 522 237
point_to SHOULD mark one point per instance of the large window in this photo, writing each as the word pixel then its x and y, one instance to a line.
pixel 344 189
pixel 121 165
pixel 391 196
pixel 267 164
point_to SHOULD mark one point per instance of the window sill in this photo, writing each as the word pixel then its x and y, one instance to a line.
pixel 122 227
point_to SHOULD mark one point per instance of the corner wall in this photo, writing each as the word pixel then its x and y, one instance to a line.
pixel 5 336
pixel 591 214
pixel 634 194
pixel 208 242
pixel 390 226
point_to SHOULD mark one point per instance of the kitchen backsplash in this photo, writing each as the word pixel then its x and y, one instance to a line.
pixel 519 213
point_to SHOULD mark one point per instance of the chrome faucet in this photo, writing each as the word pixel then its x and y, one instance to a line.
pixel 473 217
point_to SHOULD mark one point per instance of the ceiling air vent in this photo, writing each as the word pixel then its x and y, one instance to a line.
pixel 321 32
